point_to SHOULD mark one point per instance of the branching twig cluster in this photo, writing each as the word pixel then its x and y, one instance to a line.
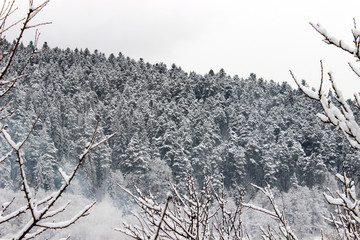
pixel 198 214
pixel 7 55
pixel 338 112
pixel 347 218
pixel 40 213
pixel 285 231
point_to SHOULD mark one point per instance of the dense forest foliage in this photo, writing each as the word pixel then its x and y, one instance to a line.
pixel 168 123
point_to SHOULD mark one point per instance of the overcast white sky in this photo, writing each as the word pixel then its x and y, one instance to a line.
pixel 264 37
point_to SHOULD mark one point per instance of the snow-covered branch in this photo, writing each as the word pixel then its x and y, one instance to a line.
pixel 336 110
pixel 7 57
pixel 195 214
pixel 6 156
pixel 65 224
pixel 332 40
pixel 347 219
pixel 41 210
pixel 285 231
pixel 14 214
pixel 40 213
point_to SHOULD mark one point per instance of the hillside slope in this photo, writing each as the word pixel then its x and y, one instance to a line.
pixel 168 123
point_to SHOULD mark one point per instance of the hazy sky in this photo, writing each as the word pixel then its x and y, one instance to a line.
pixel 264 37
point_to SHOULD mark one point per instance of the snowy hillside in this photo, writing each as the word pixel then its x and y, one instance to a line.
pixel 168 123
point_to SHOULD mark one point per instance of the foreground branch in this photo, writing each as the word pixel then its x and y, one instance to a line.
pixel 196 214
pixel 285 231
pixel 43 210
pixel 336 110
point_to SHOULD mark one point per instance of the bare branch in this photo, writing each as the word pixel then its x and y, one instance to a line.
pixel 308 92
pixel 347 221
pixel 195 214
pixel 38 25
pixel 41 211
pixel 12 215
pixel 65 224
pixel 284 227
pixel 322 79
pixel 38 215
pixel 334 41
pixel 162 217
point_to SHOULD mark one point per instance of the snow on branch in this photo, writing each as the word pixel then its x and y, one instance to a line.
pixel 16 146
pixel 307 91
pixel 55 212
pixel 64 176
pixel 285 230
pixel 9 140
pixel 260 209
pixel 194 214
pixel 44 209
pixel 354 69
pixel 6 156
pixel 347 220
pixel 91 145
pixel 102 141
pixel 11 215
pixel 9 84
pixel 40 213
pixel 65 224
pixel 329 39
pixel 9 56
pixel 336 110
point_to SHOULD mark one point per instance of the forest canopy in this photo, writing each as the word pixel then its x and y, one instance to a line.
pixel 168 124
